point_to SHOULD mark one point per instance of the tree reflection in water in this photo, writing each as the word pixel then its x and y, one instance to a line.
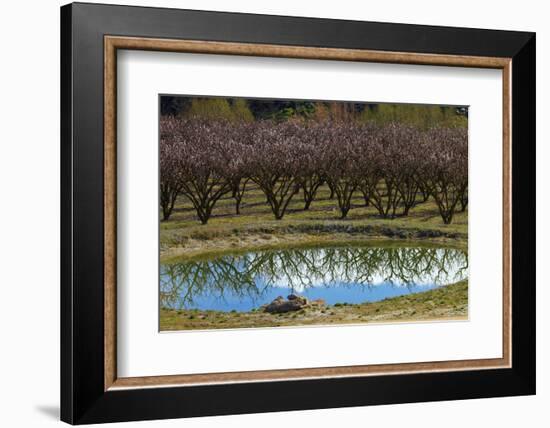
pixel 251 276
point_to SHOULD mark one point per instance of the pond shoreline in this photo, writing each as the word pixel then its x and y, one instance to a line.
pixel 449 302
pixel 196 249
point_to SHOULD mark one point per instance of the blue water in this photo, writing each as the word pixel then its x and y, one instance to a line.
pixel 243 282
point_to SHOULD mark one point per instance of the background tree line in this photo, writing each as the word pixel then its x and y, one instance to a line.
pixel 241 109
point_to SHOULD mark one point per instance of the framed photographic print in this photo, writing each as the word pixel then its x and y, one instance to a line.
pixel 265 213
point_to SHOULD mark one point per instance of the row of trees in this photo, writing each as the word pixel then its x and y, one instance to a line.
pixel 393 166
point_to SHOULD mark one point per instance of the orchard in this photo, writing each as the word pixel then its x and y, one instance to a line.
pixel 394 166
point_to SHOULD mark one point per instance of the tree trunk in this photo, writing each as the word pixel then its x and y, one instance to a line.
pixel 367 199
pixel 331 196
pixel 463 203
pixel 167 201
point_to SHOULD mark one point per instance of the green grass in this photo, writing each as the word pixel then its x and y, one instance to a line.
pixel 256 228
pixel 445 303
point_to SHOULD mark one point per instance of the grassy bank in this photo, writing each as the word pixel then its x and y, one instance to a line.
pixel 255 228
pixel 444 303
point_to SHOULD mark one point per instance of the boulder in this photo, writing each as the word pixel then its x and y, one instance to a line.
pixel 279 305
pixel 296 298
